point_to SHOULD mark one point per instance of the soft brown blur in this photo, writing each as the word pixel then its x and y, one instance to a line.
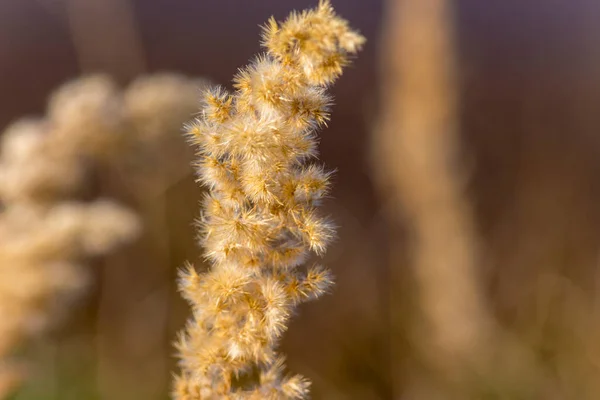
pixel 466 143
pixel 416 158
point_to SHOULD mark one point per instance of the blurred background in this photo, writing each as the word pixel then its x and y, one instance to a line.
pixel 467 263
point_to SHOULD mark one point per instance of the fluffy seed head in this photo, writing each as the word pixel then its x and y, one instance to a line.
pixel 260 221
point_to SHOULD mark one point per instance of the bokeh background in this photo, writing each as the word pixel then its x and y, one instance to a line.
pixel 527 92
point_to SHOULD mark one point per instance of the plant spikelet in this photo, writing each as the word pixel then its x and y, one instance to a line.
pixel 260 220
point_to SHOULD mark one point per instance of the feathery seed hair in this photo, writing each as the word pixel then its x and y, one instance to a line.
pixel 260 222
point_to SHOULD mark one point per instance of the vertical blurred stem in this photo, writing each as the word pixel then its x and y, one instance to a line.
pixel 133 347
pixel 106 37
pixel 415 148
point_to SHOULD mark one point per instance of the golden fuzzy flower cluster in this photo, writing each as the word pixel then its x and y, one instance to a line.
pixel 260 221
pixel 46 233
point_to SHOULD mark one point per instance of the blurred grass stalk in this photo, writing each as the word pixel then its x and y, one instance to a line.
pixel 419 174
pixel 106 37
pixel 119 51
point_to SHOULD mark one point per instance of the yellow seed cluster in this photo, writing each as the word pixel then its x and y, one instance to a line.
pixel 260 221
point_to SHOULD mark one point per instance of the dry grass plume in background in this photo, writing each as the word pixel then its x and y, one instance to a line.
pixel 47 227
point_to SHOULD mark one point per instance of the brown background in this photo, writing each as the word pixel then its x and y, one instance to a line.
pixel 529 81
